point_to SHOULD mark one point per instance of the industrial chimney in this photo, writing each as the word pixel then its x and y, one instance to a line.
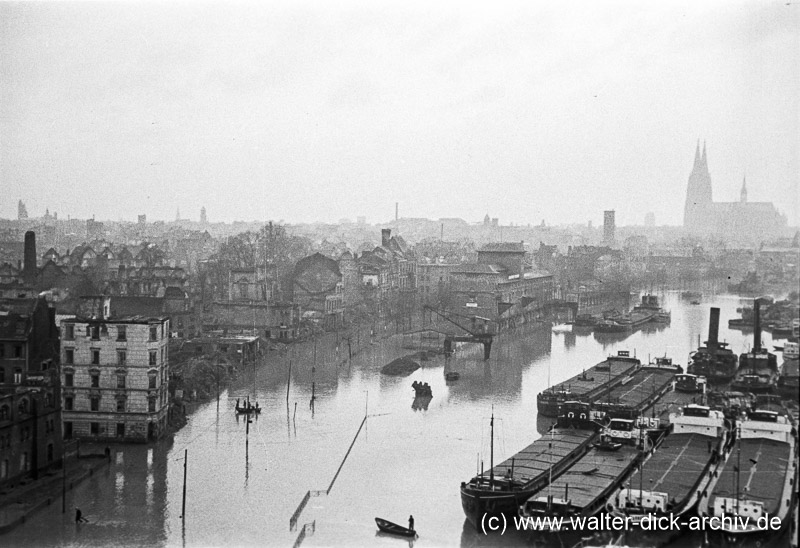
pixel 756 325
pixel 29 265
pixel 713 328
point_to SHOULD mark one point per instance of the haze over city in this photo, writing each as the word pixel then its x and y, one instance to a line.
pixel 315 112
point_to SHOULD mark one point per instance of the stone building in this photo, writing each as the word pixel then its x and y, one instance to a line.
pixel 743 221
pixel 30 410
pixel 500 281
pixel 115 373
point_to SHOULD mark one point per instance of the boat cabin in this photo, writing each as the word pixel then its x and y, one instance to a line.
pixel 642 501
pixel 766 424
pixel 686 382
pixel 622 430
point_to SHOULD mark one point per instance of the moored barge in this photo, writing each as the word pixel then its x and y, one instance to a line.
pixel 502 488
pixel 757 483
pixel 588 386
pixel 673 478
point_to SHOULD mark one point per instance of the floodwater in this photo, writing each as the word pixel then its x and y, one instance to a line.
pixel 244 482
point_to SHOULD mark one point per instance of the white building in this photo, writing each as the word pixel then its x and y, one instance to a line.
pixel 115 375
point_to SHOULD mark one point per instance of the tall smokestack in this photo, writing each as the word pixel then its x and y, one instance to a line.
pixel 756 325
pixel 713 328
pixel 29 266
pixel 396 211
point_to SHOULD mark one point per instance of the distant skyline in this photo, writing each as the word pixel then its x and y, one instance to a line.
pixel 311 112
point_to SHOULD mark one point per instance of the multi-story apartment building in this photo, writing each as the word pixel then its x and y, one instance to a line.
pixel 115 374
pixel 30 414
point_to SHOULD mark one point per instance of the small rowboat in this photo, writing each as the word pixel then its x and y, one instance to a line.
pixel 394 529
pixel 248 410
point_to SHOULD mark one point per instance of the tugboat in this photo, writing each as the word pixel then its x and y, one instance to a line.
pixel 714 361
pixel 758 369
pixel 671 480
pixel 650 304
pixel 757 484
pixel 789 377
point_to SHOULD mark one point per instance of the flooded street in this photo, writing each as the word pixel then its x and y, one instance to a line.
pixel 243 488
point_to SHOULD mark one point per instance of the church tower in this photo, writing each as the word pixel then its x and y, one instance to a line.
pixel 698 192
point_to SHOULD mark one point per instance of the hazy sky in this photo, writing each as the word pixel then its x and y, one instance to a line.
pixel 310 111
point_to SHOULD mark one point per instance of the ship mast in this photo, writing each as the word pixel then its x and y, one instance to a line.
pixel 491 453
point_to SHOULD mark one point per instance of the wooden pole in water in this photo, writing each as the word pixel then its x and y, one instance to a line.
pixel 183 505
pixel 288 382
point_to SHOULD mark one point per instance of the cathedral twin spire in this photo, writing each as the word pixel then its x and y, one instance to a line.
pixel 700 162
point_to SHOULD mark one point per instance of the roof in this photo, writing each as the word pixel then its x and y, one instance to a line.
pixel 140 319
pixel 478 268
pixel 503 247
pixel 123 306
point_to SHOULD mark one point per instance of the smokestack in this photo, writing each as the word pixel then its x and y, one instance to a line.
pixel 713 328
pixel 29 265
pixel 386 235
pixel 756 325
pixel 396 211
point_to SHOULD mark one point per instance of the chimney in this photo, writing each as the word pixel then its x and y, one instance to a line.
pixel 756 325
pixel 713 328
pixel 386 235
pixel 29 265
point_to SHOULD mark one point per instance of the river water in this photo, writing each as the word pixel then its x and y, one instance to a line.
pixel 244 482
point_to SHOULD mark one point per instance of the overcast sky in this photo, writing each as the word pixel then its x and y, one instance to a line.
pixel 327 110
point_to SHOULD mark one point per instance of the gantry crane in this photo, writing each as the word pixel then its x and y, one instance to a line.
pixel 477 333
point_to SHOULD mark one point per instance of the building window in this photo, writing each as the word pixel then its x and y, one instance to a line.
pixel 151 405
pixel 69 331
pixel 153 333
pixel 17 350
pixel 95 380
pixel 95 357
pixel 68 403
pixel 153 357
pixel 152 381
pixel 49 452
pixel 68 379
pixel 4 413
pixel 95 332
pixel 120 429
pixel 122 333
pixel 94 428
pixel 2 375
pixel 94 403
pixel 121 405
pixel 120 381
pixel 18 376
pixel 121 357
pixel 69 356
pixel 67 429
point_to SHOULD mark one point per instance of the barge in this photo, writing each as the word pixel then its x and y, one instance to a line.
pixel 589 385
